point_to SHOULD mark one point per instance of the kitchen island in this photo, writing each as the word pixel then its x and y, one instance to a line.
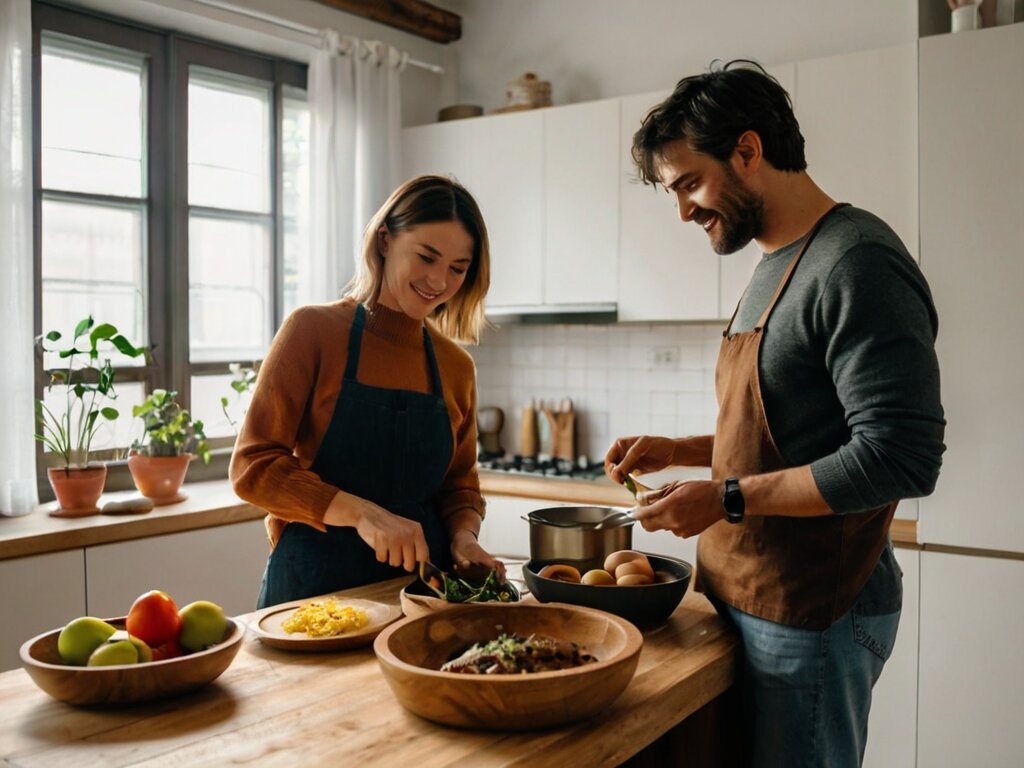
pixel 275 707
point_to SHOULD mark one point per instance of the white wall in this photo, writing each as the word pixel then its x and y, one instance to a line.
pixel 592 49
pixel 423 92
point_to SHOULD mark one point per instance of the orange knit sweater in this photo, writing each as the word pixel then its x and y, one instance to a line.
pixel 294 399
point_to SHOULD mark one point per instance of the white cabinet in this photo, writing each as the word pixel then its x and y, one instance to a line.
pixel 972 121
pixel 581 203
pixel 222 564
pixel 858 115
pixel 40 593
pixel 971 669
pixel 892 725
pixel 499 160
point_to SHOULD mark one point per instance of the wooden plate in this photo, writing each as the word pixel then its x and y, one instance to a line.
pixel 266 625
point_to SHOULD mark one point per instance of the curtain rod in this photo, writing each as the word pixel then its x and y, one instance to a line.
pixel 296 27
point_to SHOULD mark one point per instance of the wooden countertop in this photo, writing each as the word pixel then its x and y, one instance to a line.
pixel 273 707
pixel 215 503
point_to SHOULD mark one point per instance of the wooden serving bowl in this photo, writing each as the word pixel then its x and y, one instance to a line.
pixel 412 651
pixel 126 683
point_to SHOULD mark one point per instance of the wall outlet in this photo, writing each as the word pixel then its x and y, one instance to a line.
pixel 664 357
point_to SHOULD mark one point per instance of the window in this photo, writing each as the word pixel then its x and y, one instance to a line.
pixel 171 200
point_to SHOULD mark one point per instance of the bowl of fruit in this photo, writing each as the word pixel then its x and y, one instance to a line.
pixel 642 588
pixel 156 651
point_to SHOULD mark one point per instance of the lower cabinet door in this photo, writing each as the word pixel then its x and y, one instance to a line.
pixel 39 593
pixel 222 564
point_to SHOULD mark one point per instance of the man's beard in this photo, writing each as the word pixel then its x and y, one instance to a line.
pixel 740 215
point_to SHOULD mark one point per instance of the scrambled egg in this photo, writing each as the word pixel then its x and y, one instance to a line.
pixel 326 619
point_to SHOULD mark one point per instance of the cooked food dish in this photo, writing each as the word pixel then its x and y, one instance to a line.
pixel 513 654
pixel 456 590
pixel 326 619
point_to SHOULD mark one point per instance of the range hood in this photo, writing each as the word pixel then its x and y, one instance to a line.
pixel 552 314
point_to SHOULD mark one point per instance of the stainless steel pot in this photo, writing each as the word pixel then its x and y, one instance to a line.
pixel 572 535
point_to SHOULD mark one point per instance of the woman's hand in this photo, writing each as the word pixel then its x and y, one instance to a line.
pixel 394 539
pixel 468 555
pixel 638 454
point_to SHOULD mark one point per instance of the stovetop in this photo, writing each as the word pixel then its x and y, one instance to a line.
pixel 581 469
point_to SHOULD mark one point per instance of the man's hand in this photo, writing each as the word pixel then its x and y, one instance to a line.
pixel 685 509
pixel 638 454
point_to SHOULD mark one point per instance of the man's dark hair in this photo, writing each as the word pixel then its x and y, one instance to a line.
pixel 712 110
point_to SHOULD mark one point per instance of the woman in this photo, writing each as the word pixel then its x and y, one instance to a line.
pixel 360 441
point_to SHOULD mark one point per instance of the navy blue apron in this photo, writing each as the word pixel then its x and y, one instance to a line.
pixel 389 446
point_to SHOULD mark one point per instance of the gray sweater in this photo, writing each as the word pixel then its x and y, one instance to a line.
pixel 849 375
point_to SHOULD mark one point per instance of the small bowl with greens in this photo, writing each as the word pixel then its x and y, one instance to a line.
pixel 436 590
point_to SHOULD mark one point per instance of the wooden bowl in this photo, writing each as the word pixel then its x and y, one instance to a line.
pixel 126 683
pixel 645 605
pixel 412 651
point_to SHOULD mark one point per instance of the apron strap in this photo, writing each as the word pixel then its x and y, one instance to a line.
pixel 792 268
pixel 435 373
pixel 355 340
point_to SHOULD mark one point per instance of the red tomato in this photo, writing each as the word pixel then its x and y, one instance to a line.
pixel 169 650
pixel 154 618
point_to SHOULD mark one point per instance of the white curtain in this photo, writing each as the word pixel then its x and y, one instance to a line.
pixel 355 147
pixel 17 448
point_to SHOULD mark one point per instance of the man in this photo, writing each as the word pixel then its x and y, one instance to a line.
pixel 829 414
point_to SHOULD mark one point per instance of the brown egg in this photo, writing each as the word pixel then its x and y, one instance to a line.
pixel 634 567
pixel 615 559
pixel 598 578
pixel 633 579
pixel 560 572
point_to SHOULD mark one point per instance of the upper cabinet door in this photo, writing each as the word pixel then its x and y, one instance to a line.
pixel 581 212
pixel 972 228
pixel 498 159
pixel 667 270
pixel 858 114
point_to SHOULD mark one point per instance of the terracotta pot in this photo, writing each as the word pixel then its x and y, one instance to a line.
pixel 159 478
pixel 77 489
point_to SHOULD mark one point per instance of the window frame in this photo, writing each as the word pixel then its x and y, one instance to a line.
pixel 169 58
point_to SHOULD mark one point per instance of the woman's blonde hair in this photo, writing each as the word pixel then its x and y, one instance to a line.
pixel 424 200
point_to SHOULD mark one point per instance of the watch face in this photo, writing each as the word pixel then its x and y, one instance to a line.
pixel 733 501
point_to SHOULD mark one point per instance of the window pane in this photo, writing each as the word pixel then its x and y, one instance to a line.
pixel 229 289
pixel 296 203
pixel 92 121
pixel 92 264
pixel 206 394
pixel 111 434
pixel 229 147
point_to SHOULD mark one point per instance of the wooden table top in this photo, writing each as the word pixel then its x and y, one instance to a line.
pixel 274 707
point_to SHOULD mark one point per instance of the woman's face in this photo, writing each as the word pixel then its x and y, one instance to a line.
pixel 423 266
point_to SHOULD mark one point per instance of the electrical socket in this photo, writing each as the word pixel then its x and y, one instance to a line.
pixel 664 357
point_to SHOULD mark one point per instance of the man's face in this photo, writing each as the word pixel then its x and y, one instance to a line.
pixel 711 194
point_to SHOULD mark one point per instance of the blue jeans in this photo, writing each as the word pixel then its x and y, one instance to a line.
pixel 807 693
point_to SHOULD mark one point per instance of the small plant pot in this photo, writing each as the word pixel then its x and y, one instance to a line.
pixel 159 478
pixel 77 489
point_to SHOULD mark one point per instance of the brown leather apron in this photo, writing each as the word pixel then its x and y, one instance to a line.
pixel 799 571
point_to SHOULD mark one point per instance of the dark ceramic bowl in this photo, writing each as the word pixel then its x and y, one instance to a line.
pixel 645 605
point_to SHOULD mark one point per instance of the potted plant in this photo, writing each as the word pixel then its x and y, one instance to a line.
pixel 158 462
pixel 69 431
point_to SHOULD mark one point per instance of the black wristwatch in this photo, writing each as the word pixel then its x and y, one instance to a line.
pixel 732 500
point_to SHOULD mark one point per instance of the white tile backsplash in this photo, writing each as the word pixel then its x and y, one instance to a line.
pixel 610 374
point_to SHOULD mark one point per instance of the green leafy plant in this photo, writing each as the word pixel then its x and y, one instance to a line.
pixel 170 430
pixel 69 432
pixel 243 382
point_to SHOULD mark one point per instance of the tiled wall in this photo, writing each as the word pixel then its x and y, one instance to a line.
pixel 622 379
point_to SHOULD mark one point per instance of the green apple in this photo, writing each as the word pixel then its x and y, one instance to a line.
pixel 145 652
pixel 81 637
pixel 202 625
pixel 116 652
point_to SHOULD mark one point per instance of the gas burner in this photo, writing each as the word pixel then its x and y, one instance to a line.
pixel 581 469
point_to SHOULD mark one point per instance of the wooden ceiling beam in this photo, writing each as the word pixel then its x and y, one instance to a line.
pixel 413 16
